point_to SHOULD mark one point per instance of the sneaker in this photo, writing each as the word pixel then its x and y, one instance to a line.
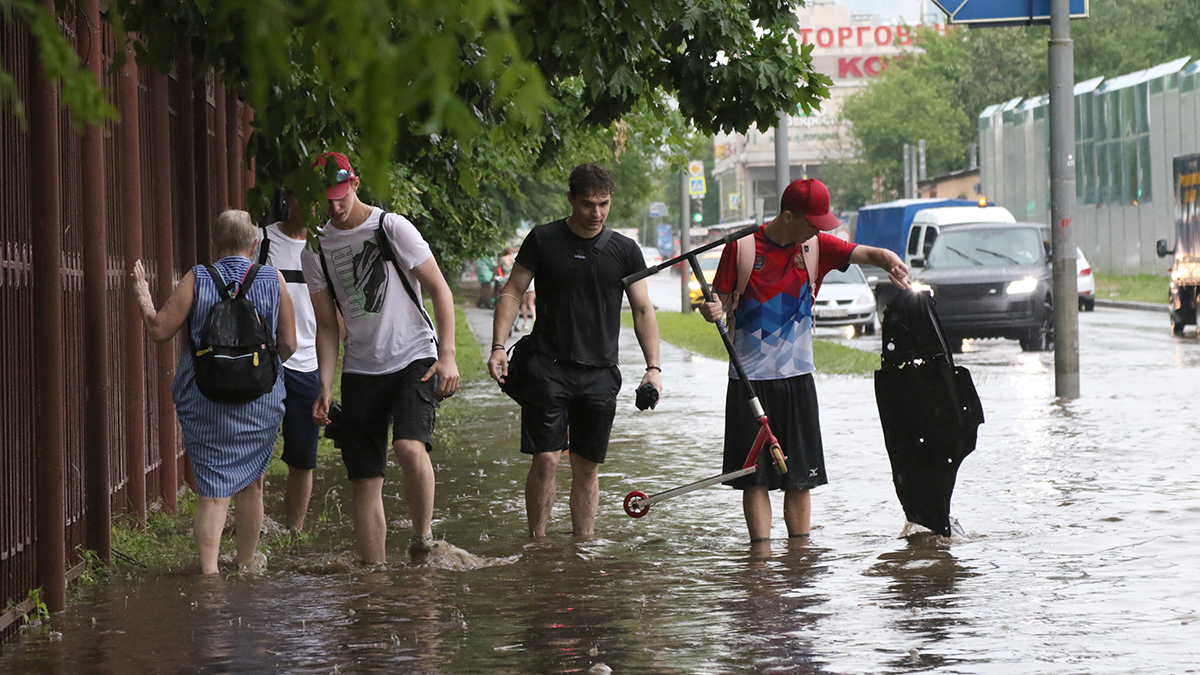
pixel 419 547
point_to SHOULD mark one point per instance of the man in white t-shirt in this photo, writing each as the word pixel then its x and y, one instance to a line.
pixel 395 370
pixel 281 246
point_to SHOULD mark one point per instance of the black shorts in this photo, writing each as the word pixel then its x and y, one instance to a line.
pixel 370 401
pixel 300 432
pixel 791 407
pixel 572 401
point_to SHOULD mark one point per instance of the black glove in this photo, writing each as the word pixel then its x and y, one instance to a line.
pixel 647 396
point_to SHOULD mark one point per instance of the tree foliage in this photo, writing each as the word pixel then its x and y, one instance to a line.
pixel 903 106
pixel 468 114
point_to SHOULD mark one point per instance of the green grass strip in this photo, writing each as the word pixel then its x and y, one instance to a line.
pixel 1135 287
pixel 693 333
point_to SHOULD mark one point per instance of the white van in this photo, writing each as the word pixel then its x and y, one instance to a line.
pixel 927 224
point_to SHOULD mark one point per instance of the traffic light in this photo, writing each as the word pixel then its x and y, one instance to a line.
pixel 698 212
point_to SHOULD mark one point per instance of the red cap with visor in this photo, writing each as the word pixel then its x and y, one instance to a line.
pixel 337 174
pixel 811 198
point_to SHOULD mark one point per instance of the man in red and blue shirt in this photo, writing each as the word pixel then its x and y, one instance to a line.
pixel 773 320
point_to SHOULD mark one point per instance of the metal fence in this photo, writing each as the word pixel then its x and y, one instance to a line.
pixel 89 427
pixel 1127 130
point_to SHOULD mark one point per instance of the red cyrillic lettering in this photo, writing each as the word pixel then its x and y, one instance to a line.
pixel 804 33
pixel 887 36
pixel 861 30
pixel 873 66
pixel 824 37
pixel 844 33
pixel 849 65
pixel 903 36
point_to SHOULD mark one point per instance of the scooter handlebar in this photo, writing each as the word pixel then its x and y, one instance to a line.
pixel 732 236
pixel 638 276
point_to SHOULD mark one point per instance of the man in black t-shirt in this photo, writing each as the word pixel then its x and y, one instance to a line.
pixel 573 347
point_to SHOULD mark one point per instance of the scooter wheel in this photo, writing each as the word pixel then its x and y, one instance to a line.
pixel 633 507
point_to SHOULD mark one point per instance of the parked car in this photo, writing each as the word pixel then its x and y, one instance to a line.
pixel 708 264
pixel 991 280
pixel 846 300
pixel 1085 282
pixel 652 256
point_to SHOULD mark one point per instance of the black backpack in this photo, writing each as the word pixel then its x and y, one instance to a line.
pixel 236 360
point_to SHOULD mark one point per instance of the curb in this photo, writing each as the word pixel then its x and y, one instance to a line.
pixel 1131 304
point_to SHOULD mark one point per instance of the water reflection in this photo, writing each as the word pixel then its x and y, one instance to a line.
pixel 922 592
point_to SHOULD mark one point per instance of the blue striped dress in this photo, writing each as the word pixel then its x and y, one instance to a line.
pixel 229 445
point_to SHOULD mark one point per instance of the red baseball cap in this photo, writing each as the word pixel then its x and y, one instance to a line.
pixel 811 198
pixel 337 181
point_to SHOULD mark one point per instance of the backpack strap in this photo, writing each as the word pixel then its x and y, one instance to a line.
pixel 248 279
pixel 243 289
pixel 218 280
pixel 810 254
pixel 745 265
pixel 328 279
pixel 385 249
pixel 264 248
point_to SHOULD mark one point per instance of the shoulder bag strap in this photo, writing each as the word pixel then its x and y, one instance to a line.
pixel 385 249
pixel 602 240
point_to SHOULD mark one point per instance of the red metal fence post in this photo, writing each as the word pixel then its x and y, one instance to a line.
pixel 132 337
pixel 95 298
pixel 160 133
pixel 200 177
pixel 186 157
pixel 48 351
pixel 220 181
pixel 233 150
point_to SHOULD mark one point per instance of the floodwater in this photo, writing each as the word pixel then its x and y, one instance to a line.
pixel 1081 525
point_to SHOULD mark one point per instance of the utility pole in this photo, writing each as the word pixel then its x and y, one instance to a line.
pixel 783 170
pixel 907 171
pixel 685 242
pixel 1062 201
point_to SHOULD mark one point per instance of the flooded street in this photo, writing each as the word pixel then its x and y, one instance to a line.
pixel 1082 524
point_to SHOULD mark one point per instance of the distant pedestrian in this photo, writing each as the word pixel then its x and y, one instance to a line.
pixel 528 308
pixel 229 445
pixel 281 247
pixel 395 369
pixel 770 296
pixel 572 366
pixel 485 271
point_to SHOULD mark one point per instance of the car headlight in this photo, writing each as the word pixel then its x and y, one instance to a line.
pixel 693 285
pixel 1022 286
pixel 865 299
pixel 919 287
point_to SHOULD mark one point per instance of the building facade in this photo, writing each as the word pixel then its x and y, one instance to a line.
pixel 1127 131
pixel 851 48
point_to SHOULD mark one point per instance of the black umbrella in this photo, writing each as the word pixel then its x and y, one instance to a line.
pixel 928 407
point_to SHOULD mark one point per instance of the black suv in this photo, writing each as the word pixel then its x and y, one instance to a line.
pixel 992 280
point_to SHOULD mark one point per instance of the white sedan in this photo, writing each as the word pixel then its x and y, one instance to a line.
pixel 845 299
pixel 1086 282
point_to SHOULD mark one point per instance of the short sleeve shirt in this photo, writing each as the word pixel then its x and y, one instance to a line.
pixel 385 331
pixel 579 291
pixel 774 317
pixel 284 253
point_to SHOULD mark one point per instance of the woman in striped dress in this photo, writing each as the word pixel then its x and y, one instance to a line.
pixel 229 445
